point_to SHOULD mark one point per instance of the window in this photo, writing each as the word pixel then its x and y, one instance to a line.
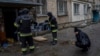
pixel 62 7
pixel 76 9
pixel 41 10
pixel 85 9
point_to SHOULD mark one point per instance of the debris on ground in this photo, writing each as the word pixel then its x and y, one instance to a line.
pixel 40 38
pixel 68 42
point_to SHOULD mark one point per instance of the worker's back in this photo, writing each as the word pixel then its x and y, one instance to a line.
pixel 25 23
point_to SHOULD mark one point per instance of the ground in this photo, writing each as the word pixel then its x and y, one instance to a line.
pixel 64 46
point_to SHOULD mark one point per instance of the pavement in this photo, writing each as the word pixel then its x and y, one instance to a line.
pixel 64 46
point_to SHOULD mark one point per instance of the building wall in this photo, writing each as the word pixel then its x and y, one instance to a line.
pixel 90 15
pixel 66 18
pixel 85 0
pixel 69 7
pixel 97 4
pixel 52 7
pixel 81 15
pixel 90 1
pixel 70 17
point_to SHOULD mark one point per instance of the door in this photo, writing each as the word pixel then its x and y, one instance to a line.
pixel 9 15
pixel 95 16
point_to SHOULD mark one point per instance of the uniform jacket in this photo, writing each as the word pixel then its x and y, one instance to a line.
pixel 83 38
pixel 24 23
pixel 53 22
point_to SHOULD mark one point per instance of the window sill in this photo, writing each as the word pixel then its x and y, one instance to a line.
pixel 76 14
pixel 62 15
pixel 85 14
pixel 41 15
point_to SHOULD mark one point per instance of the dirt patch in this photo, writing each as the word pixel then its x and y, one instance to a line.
pixel 68 42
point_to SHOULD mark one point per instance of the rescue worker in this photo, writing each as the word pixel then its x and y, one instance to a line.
pixel 23 23
pixel 82 39
pixel 53 26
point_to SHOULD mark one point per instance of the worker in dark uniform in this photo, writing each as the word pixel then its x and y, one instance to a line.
pixel 23 23
pixel 82 40
pixel 53 26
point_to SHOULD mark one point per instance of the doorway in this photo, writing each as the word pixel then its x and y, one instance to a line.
pixel 9 15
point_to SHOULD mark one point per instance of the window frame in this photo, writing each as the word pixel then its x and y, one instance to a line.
pixel 76 8
pixel 62 12
pixel 40 8
pixel 85 9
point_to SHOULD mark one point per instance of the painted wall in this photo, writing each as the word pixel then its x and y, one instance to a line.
pixel 70 17
pixel 81 15
pixel 52 7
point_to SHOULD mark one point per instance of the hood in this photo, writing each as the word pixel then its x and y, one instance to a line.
pixel 76 29
pixel 49 14
pixel 24 11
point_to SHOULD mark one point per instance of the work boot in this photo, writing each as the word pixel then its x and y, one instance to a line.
pixel 85 49
pixel 54 42
pixel 31 51
pixel 24 53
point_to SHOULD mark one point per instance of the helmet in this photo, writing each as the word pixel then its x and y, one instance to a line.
pixel 24 11
pixel 49 14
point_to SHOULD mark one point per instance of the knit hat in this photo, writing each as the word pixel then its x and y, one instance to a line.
pixel 49 14
pixel 76 29
pixel 24 11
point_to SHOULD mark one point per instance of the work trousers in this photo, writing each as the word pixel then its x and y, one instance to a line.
pixel 54 34
pixel 27 41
